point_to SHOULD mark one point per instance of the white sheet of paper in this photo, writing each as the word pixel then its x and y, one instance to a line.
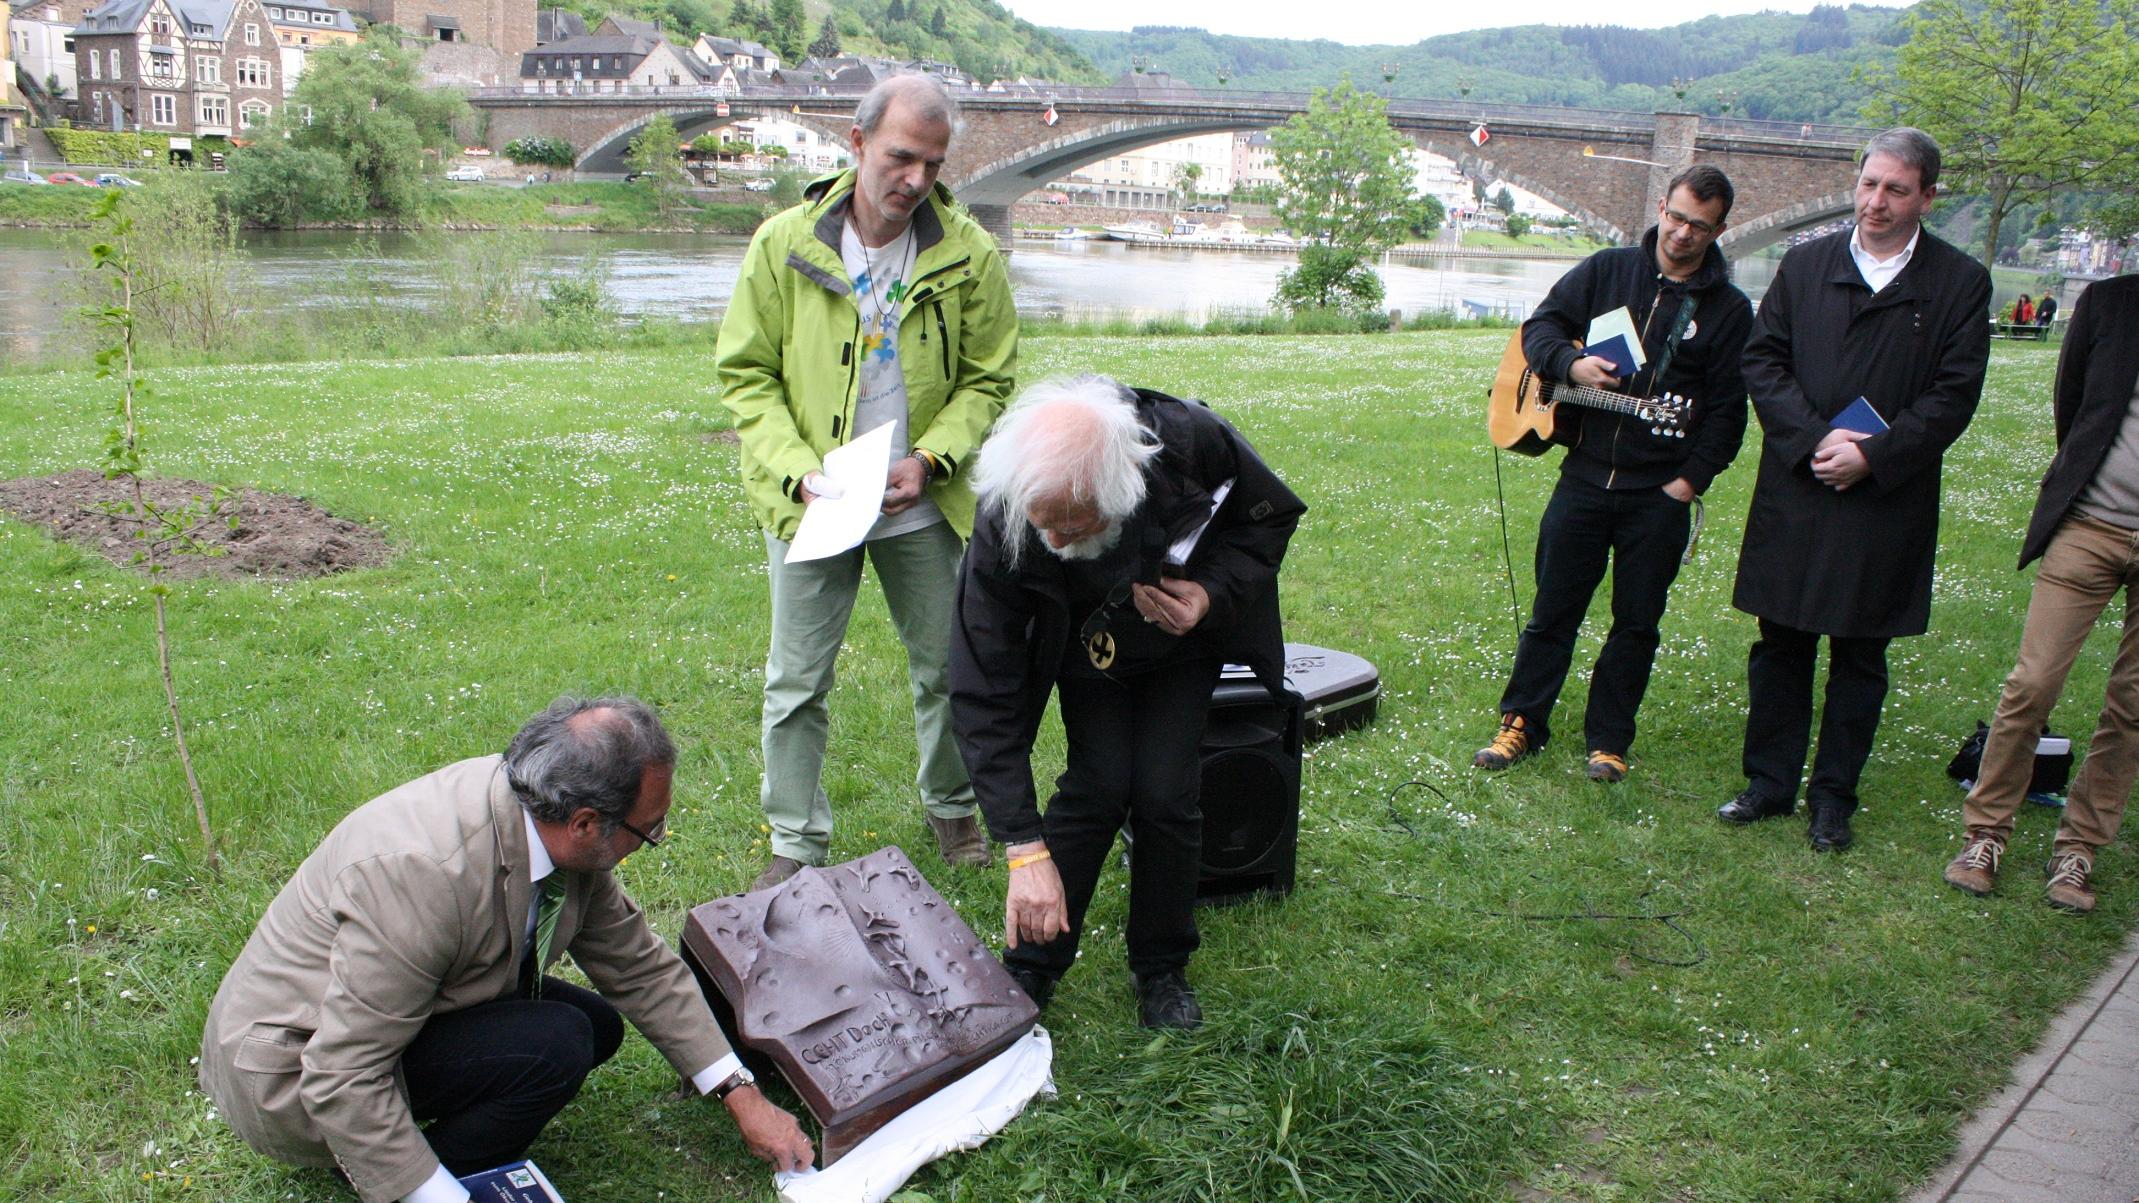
pixel 834 524
pixel 1618 321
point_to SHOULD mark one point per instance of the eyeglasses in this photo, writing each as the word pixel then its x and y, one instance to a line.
pixel 1680 219
pixel 651 841
pixel 1103 616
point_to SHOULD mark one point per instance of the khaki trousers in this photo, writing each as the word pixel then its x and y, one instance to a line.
pixel 811 603
pixel 2087 562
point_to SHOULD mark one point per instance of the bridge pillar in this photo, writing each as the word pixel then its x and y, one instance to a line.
pixel 995 219
pixel 1672 146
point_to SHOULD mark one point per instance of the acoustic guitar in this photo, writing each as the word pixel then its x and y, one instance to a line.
pixel 1522 408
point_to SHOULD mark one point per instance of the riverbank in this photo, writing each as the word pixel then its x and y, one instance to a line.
pixel 1419 1019
pixel 596 207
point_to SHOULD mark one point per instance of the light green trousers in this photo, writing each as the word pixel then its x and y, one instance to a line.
pixel 811 604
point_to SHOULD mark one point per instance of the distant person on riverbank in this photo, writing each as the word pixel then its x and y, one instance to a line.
pixel 1865 364
pixel 2085 529
pixel 2045 313
pixel 873 301
pixel 401 976
pixel 1625 494
pixel 2024 311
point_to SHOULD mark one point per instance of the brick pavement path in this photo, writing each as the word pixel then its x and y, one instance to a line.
pixel 2066 1129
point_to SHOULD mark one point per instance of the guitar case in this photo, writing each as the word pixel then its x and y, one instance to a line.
pixel 1343 691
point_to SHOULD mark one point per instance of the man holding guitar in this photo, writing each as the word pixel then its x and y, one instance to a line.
pixel 1630 476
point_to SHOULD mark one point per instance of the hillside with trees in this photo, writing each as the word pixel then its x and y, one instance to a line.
pixel 1778 66
pixel 980 36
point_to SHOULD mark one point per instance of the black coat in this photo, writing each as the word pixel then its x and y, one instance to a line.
pixel 1616 451
pixel 1858 563
pixel 2095 376
pixel 1012 626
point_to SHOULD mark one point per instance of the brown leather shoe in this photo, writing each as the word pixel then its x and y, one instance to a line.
pixel 2068 889
pixel 961 842
pixel 781 868
pixel 1975 870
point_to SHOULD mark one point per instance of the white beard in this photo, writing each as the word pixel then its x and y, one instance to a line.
pixel 1091 547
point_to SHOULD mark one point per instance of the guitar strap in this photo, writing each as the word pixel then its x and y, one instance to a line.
pixel 1687 305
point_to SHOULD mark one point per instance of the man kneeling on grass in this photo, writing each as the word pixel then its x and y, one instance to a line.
pixel 397 980
pixel 1127 546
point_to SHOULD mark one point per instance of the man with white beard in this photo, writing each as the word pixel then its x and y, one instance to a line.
pixel 1127 547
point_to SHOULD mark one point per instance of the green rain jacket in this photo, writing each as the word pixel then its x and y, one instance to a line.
pixel 788 361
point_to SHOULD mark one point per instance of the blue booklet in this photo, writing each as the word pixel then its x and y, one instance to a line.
pixel 1618 352
pixel 519 1182
pixel 1860 417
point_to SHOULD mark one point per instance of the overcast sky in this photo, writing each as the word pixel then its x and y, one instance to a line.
pixel 1375 22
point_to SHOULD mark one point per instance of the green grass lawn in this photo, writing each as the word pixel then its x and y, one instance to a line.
pixel 1812 1027
pixel 1494 240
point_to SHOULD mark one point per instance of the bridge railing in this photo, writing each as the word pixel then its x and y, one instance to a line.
pixel 1220 100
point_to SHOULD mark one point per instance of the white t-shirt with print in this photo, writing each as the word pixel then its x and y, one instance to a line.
pixel 880 276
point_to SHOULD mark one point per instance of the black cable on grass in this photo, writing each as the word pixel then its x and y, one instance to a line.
pixel 1397 816
pixel 1590 914
pixel 1507 556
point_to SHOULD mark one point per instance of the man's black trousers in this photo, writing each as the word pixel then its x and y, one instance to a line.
pixel 1134 754
pixel 1642 534
pixel 488 1078
pixel 1778 722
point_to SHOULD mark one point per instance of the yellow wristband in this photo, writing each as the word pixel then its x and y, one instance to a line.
pixel 1019 862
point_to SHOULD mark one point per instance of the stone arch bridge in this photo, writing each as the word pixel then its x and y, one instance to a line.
pixel 1607 168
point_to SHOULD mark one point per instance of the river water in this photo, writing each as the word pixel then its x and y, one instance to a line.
pixel 690 277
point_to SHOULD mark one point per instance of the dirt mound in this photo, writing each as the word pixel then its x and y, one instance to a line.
pixel 277 536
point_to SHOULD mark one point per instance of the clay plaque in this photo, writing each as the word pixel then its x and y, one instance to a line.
pixel 861 985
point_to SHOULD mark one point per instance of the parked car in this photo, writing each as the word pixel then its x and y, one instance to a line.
pixel 758 185
pixel 21 175
pixel 466 173
pixel 67 177
pixel 112 179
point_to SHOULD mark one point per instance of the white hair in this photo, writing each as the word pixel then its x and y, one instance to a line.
pixel 1075 438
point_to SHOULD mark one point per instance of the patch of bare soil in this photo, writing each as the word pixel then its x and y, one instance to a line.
pixel 571 210
pixel 277 536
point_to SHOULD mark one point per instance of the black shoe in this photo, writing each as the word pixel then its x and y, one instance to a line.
pixel 1750 807
pixel 1164 1000
pixel 1830 828
pixel 1037 986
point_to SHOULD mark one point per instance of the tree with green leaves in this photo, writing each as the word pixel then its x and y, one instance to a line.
pixel 939 25
pixel 1186 175
pixel 1345 190
pixel 896 11
pixel 827 43
pixel 2027 98
pixel 1518 225
pixel 160 529
pixel 1504 200
pixel 1427 216
pixel 653 163
pixel 369 107
pixel 790 29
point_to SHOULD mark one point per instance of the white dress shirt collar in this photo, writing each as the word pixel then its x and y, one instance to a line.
pixel 1878 273
pixel 539 864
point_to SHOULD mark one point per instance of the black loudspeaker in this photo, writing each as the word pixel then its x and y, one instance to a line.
pixel 1251 793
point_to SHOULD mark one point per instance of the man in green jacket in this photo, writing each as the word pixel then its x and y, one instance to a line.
pixel 873 301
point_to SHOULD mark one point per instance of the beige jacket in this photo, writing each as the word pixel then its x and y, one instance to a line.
pixel 416 904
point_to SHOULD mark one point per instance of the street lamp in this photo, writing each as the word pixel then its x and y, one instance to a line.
pixel 1388 80
pixel 1726 98
pixel 1463 85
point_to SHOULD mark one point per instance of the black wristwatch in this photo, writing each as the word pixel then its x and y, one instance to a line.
pixel 733 1082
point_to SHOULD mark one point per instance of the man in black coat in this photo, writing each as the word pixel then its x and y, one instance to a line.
pixel 1127 546
pixel 2086 531
pixel 1844 524
pixel 1626 492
